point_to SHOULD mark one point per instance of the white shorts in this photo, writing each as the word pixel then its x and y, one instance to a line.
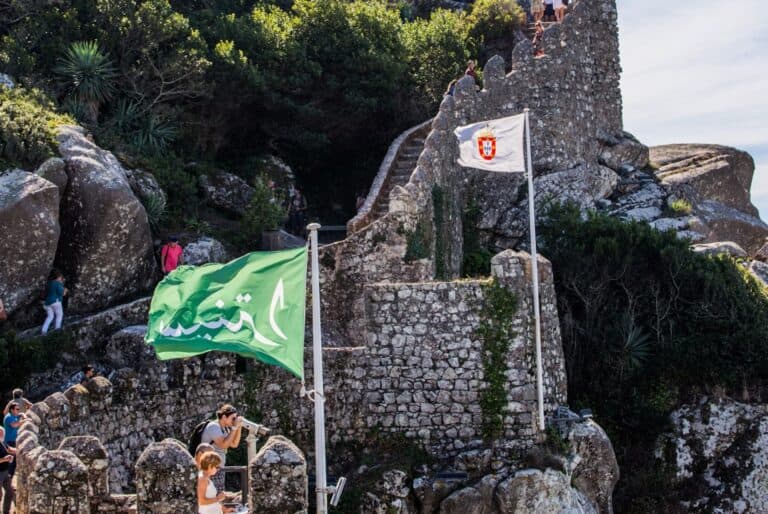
pixel 557 4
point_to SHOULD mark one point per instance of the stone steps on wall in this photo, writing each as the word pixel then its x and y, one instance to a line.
pixel 399 176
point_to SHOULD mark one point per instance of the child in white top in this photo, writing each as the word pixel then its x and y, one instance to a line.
pixel 208 499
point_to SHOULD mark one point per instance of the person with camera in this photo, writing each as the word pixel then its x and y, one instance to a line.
pixel 223 434
pixel 7 459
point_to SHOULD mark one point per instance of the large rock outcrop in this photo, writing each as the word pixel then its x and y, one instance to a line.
pixel 29 224
pixel 716 180
pixel 226 191
pixel 595 469
pixel 718 451
pixel 106 246
pixel 548 492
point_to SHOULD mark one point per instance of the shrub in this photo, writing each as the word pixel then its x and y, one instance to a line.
pixel 20 358
pixel 645 322
pixel 154 205
pixel 28 122
pixel 681 207
pixel 495 19
pixel 265 210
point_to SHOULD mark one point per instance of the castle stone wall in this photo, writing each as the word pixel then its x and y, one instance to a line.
pixel 420 372
pixel 148 403
pixel 575 108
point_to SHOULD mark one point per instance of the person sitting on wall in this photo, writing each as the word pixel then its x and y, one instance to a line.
pixel 451 88
pixel 89 371
pixel 471 65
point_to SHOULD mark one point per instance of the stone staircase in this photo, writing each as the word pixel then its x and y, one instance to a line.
pixel 395 170
pixel 401 172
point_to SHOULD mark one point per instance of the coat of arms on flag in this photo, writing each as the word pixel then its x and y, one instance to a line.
pixel 493 145
pixel 486 144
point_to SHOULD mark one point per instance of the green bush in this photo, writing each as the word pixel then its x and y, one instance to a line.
pixel 438 50
pixel 264 212
pixel 681 207
pixel 28 121
pixel 154 205
pixel 495 19
pixel 646 322
pixel 477 259
pixel 20 358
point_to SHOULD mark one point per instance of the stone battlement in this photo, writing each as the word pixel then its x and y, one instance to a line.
pixel 73 476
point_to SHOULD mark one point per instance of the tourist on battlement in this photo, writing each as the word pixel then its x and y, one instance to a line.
pixel 538 51
pixel 11 423
pixel 223 434
pixel 451 88
pixel 17 398
pixel 208 496
pixel 7 462
pixel 559 7
pixel 549 10
pixel 201 449
pixel 471 65
pixel 537 10
pixel 54 301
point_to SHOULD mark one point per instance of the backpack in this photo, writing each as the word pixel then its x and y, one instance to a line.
pixel 196 438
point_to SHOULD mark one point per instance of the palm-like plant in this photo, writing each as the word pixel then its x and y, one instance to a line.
pixel 88 75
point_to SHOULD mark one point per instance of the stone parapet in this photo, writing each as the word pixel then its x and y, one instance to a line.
pixel 278 479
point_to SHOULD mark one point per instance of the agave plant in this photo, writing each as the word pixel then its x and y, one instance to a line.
pixel 126 115
pixel 155 134
pixel 88 75
pixel 154 205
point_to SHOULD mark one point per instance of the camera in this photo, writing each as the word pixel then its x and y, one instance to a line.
pixel 254 428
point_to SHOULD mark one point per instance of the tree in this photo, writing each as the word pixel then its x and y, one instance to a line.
pixel 438 50
pixel 161 59
pixel 88 76
pixel 494 19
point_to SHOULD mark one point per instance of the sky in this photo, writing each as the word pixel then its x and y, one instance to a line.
pixel 697 72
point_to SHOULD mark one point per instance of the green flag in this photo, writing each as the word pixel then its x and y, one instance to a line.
pixel 253 306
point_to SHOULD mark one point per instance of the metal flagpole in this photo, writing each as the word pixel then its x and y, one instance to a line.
pixel 321 488
pixel 535 271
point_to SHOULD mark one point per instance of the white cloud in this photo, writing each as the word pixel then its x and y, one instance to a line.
pixel 697 72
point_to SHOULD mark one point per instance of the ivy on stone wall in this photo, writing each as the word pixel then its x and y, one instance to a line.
pixel 438 217
pixel 495 332
pixel 476 261
pixel 418 243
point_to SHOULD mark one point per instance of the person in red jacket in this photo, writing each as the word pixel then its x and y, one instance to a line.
pixel 172 255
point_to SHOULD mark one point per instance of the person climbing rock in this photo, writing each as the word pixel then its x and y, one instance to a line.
pixel 54 301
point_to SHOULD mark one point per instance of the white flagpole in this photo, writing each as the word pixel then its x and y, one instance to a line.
pixel 321 488
pixel 535 271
